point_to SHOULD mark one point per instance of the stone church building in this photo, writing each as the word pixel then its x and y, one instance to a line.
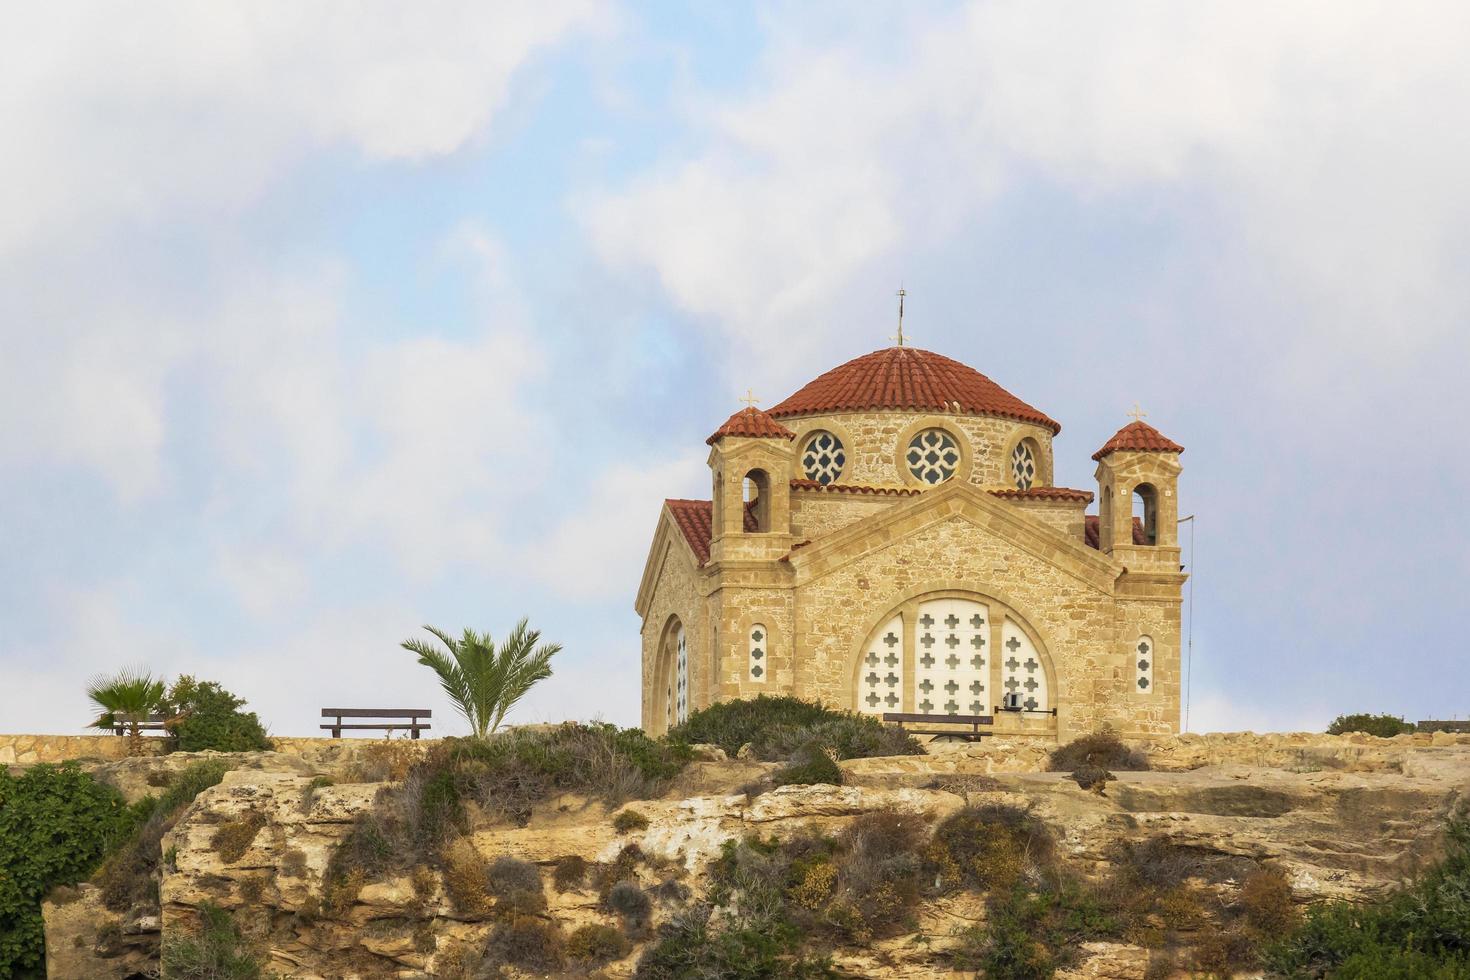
pixel 889 539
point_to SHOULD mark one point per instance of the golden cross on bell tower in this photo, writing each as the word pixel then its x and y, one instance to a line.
pixel 750 400
pixel 899 336
pixel 1138 414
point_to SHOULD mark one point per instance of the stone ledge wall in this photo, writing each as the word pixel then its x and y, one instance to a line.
pixel 29 750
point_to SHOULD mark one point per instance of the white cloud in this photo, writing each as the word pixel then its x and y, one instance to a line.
pixel 140 111
pixel 598 551
pixel 1319 133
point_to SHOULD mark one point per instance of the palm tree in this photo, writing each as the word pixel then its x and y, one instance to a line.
pixel 484 681
pixel 126 698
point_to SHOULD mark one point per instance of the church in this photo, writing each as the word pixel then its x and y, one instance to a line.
pixel 888 539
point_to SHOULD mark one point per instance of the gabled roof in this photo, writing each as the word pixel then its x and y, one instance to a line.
pixel 1138 437
pixel 906 378
pixel 751 423
pixel 696 519
pixel 1092 532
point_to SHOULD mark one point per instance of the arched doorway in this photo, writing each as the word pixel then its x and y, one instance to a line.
pixel 937 655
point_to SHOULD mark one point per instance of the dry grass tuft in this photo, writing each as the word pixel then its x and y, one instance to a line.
pixel 233 839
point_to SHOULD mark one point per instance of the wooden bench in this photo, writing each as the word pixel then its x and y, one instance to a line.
pixel 152 723
pixel 974 721
pixel 396 719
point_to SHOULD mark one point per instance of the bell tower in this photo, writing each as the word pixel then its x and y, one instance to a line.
pixel 751 461
pixel 1138 481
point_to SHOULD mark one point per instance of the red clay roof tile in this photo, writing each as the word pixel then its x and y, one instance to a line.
pixel 696 519
pixel 751 423
pixel 912 379
pixel 854 488
pixel 1047 493
pixel 1138 437
pixel 1092 532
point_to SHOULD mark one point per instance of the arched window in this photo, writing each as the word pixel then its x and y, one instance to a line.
pixel 943 662
pixel 758 501
pixel 676 657
pixel 760 652
pixel 1024 466
pixel 1146 510
pixel 1143 665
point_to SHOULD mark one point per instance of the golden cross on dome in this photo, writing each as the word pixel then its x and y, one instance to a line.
pixel 1138 414
pixel 900 294
pixel 750 399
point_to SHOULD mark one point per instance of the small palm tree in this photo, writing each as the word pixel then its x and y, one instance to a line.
pixel 126 698
pixel 484 681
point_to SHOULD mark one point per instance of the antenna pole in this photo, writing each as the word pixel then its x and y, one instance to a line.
pixel 1189 643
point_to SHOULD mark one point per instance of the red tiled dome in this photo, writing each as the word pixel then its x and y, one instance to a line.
pixel 1139 437
pixel 912 379
pixel 751 423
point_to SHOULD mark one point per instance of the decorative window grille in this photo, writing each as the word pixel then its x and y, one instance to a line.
pixel 880 685
pixel 760 653
pixel 1023 465
pixel 1144 665
pixel 951 669
pixel 823 458
pixel 933 456
pixel 681 703
pixel 1020 668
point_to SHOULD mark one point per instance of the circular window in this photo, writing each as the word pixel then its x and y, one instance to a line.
pixel 933 455
pixel 1023 465
pixel 823 458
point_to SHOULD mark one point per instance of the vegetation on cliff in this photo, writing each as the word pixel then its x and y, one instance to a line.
pixel 56 823
pixel 1383 726
pixel 778 728
pixel 202 716
pixel 1421 932
pixel 484 680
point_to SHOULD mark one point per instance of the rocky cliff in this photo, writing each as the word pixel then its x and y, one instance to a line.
pixel 1340 816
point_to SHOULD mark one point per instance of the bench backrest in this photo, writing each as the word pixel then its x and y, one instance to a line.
pixel 377 713
pixel 941 719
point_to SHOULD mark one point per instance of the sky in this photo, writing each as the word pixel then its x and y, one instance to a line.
pixel 322 322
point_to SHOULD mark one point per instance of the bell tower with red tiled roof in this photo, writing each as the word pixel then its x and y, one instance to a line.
pixel 751 461
pixel 1139 462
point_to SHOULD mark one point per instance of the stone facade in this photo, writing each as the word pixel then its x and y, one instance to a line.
pixel 840 570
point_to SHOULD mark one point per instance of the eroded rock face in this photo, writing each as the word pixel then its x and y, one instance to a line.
pixel 1343 817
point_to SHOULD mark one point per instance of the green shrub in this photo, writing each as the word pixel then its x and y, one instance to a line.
pixel 686 946
pixel 569 872
pixel 56 823
pixel 528 942
pixel 1030 932
pixel 989 847
pixel 809 768
pixel 775 727
pixel 128 877
pixel 1384 726
pixel 214 952
pixel 631 903
pixel 1426 922
pixel 1103 749
pixel 628 821
pixel 596 943
pixel 204 716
